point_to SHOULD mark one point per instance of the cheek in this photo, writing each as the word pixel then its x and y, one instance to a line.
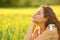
pixel 41 18
pixel 38 18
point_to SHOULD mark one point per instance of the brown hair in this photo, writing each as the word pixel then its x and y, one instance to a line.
pixel 52 19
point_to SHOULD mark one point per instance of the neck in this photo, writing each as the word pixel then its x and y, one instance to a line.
pixel 42 27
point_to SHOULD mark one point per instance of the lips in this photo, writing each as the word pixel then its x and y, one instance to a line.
pixel 33 17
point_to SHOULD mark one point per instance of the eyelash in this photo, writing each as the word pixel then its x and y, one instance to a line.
pixel 38 12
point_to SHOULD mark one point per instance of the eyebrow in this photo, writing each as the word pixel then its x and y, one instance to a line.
pixel 38 9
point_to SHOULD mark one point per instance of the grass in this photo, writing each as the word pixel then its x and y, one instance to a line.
pixel 14 23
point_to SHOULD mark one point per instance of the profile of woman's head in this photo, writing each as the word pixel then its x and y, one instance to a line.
pixel 39 16
pixel 46 15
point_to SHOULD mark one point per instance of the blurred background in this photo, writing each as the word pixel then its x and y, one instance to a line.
pixel 27 3
pixel 16 16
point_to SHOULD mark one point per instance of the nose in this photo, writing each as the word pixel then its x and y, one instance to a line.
pixel 34 15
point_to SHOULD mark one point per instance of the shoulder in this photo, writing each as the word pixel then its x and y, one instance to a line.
pixel 54 30
pixel 49 35
pixel 53 33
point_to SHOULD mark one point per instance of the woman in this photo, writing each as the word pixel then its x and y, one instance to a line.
pixel 43 17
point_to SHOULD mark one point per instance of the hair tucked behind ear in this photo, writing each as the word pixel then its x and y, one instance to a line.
pixel 52 19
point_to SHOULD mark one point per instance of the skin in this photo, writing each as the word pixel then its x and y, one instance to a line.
pixel 39 19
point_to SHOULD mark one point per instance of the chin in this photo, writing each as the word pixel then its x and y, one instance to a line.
pixel 35 21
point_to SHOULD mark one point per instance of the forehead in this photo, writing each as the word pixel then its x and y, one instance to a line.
pixel 40 9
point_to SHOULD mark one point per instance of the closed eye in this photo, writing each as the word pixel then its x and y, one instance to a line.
pixel 38 12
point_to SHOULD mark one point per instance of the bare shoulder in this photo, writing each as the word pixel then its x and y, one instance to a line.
pixel 49 35
pixel 54 29
pixel 54 32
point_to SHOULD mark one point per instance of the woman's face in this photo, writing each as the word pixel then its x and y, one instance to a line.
pixel 39 16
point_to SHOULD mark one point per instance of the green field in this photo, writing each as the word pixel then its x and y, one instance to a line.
pixel 14 22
